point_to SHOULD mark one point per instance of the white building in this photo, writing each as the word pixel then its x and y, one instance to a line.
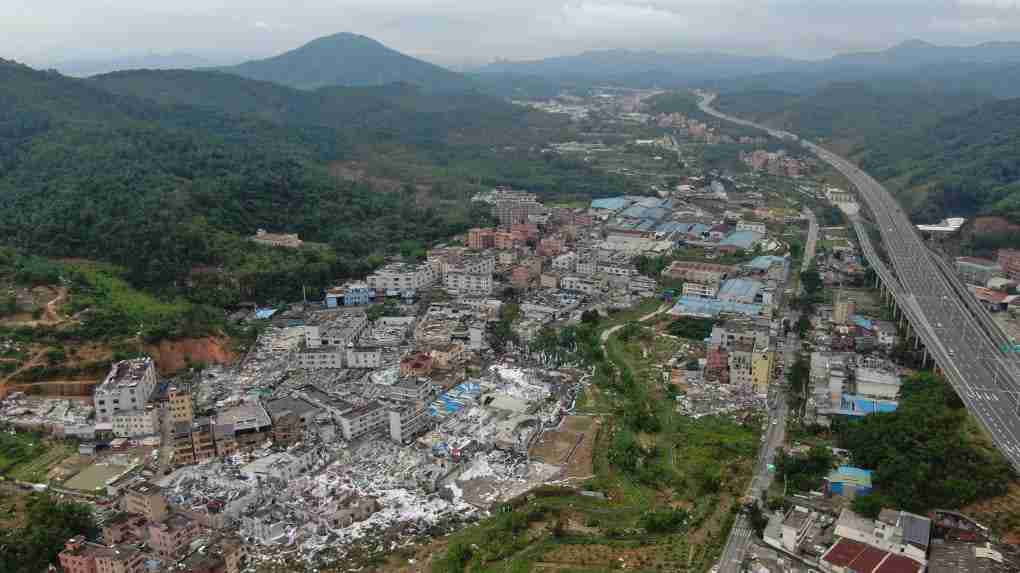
pixel 405 424
pixel 579 284
pixel 363 420
pixel 321 358
pixel 361 357
pixel 466 283
pixel 700 290
pixel 404 277
pixel 567 262
pixel 877 383
pixel 128 386
pixel 756 226
pixel 618 269
pixel 341 330
pixel 135 423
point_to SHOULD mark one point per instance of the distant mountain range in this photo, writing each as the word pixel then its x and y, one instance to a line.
pixel 349 60
pixel 179 61
pixel 992 67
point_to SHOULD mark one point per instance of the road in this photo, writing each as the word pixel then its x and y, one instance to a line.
pixel 742 535
pixel 958 333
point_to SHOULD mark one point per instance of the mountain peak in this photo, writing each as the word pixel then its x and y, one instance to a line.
pixel 348 59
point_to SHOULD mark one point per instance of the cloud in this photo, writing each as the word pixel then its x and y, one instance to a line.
pixel 449 30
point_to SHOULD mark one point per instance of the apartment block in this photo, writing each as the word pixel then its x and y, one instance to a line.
pixel 145 498
pixel 171 537
pixel 363 420
pixel 81 556
pixel 480 239
pixel 127 386
pixel 136 423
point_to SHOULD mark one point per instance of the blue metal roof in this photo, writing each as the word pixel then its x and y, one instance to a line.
pixel 764 262
pixel 611 203
pixel 693 306
pixel 741 288
pixel 742 239
pixel 264 313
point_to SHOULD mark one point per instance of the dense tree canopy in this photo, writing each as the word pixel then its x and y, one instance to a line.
pixel 928 453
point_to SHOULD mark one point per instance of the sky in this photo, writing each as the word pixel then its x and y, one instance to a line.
pixel 470 32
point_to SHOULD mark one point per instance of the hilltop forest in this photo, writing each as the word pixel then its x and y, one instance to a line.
pixel 166 173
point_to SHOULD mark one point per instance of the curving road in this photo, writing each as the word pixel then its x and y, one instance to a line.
pixel 955 329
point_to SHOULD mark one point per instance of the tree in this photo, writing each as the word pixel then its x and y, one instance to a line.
pixel 590 316
pixel 48 524
pixel 812 281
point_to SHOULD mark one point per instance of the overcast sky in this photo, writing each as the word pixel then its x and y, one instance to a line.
pixel 460 31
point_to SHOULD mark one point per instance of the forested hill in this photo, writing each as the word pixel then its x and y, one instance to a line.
pixel 166 172
pixel 964 165
pixel 944 153
pixel 850 114
pixel 160 189
pixel 395 110
pixel 349 60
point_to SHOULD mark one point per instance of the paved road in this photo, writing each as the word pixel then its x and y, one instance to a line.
pixel 959 334
pixel 741 535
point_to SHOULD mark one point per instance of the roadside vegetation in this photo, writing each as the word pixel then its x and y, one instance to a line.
pixel 671 484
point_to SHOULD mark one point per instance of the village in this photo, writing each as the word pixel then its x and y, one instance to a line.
pixel 421 397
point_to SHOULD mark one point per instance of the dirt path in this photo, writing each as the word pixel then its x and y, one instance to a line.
pixel 609 331
pixel 50 315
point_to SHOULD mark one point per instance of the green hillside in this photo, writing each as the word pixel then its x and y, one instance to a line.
pixel 160 190
pixel 349 60
pixel 964 165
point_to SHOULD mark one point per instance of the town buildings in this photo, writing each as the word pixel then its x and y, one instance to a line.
pixel 290 241
pixel 127 387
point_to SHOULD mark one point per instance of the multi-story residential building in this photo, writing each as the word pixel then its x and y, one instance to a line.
pixel 363 420
pixel 699 290
pixel 504 258
pixel 978 271
pixel 416 365
pixel 725 335
pixel 465 283
pixel 468 274
pixel 175 401
pixel 342 329
pixel 510 206
pixel 418 390
pixel 705 273
pixel 136 423
pixel 520 276
pixel 549 280
pixel 617 269
pixel 741 364
pixel 406 423
pixel 550 246
pixel 579 284
pixel 480 239
pixel 323 358
pixel 506 241
pixel 1009 260
pixel 587 264
pixel 566 263
pixel 80 556
pixel 843 310
pixel 756 226
pixel 184 452
pixel 128 386
pixel 363 357
pixel 403 277
pixel 171 537
pixel 145 498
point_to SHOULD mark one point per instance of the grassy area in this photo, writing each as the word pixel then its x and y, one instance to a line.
pixel 102 287
pixel 28 457
pixel 668 507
